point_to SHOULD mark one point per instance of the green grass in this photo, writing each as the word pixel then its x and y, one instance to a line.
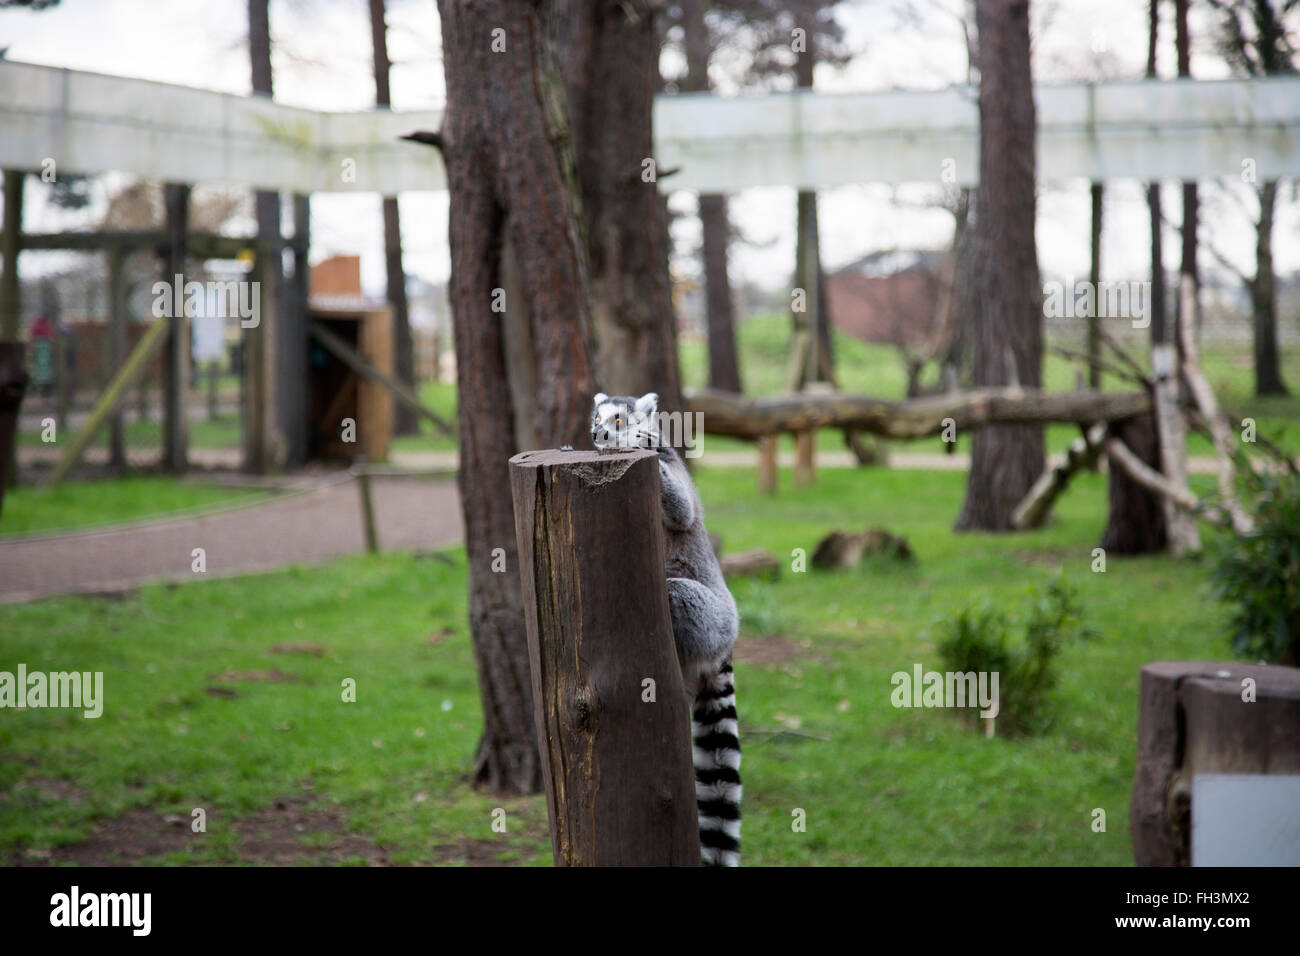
pixel 76 505
pixel 878 785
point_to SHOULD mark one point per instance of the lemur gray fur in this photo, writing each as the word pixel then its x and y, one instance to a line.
pixel 705 622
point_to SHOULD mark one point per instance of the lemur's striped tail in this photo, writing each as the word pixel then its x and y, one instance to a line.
pixel 717 767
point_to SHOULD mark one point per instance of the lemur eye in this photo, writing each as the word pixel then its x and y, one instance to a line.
pixel 618 422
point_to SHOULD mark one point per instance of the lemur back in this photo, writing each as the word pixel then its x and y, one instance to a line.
pixel 705 623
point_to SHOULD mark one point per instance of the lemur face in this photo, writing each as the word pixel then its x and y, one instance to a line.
pixel 621 421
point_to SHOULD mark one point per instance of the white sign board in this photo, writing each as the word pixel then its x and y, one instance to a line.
pixel 208 333
pixel 1245 820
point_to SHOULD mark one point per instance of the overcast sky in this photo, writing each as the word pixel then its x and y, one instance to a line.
pixel 322 61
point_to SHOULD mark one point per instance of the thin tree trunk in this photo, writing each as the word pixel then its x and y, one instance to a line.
pixel 808 259
pixel 1094 320
pixel 1190 200
pixel 504 144
pixel 1158 331
pixel 611 60
pixel 1006 460
pixel 405 420
pixel 1268 369
pixel 724 369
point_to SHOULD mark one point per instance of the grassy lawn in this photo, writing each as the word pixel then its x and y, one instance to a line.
pixel 200 712
pixel 85 504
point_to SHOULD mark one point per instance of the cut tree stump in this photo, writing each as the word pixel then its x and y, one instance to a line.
pixel 1192 719
pixel 610 710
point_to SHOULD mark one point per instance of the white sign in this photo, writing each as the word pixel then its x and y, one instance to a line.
pixel 1245 820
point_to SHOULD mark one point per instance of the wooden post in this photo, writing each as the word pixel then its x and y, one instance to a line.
pixel 367 510
pixel 258 452
pixel 10 246
pixel 176 362
pixel 117 315
pixel 1193 718
pixel 13 365
pixel 610 710
pixel 291 343
pixel 805 462
pixel 767 464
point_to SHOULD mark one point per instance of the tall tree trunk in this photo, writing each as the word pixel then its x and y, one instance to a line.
pixel 1094 275
pixel 405 420
pixel 505 146
pixel 611 59
pixel 1187 269
pixel 724 368
pixel 1153 199
pixel 1263 294
pixel 719 313
pixel 808 256
pixel 1006 460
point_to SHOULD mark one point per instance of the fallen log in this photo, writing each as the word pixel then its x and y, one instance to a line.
pixel 757 563
pixel 752 418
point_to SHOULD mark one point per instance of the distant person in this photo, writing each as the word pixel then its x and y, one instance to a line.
pixel 42 338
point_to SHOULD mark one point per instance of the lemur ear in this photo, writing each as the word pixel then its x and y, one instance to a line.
pixel 647 403
pixel 600 398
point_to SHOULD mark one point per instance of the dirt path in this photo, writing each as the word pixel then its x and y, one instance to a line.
pixel 305 527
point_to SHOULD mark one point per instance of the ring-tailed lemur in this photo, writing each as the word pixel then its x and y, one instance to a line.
pixel 705 622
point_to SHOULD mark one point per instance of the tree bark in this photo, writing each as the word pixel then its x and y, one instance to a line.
pixel 752 418
pixel 1094 320
pixel 405 421
pixel 615 749
pixel 724 368
pixel 1188 310
pixel 808 257
pixel 505 147
pixel 719 313
pixel 611 56
pixel 1263 293
pixel 1136 520
pixel 1006 460
pixel 1158 331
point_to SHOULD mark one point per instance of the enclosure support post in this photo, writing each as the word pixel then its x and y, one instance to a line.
pixel 117 349
pixel 176 364
pixel 805 465
pixel 610 710
pixel 767 464
pixel 291 343
pixel 13 365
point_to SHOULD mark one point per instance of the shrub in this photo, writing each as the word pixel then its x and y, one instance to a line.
pixel 980 640
pixel 1259 573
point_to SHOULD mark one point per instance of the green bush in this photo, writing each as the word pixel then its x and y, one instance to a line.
pixel 980 640
pixel 1259 573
